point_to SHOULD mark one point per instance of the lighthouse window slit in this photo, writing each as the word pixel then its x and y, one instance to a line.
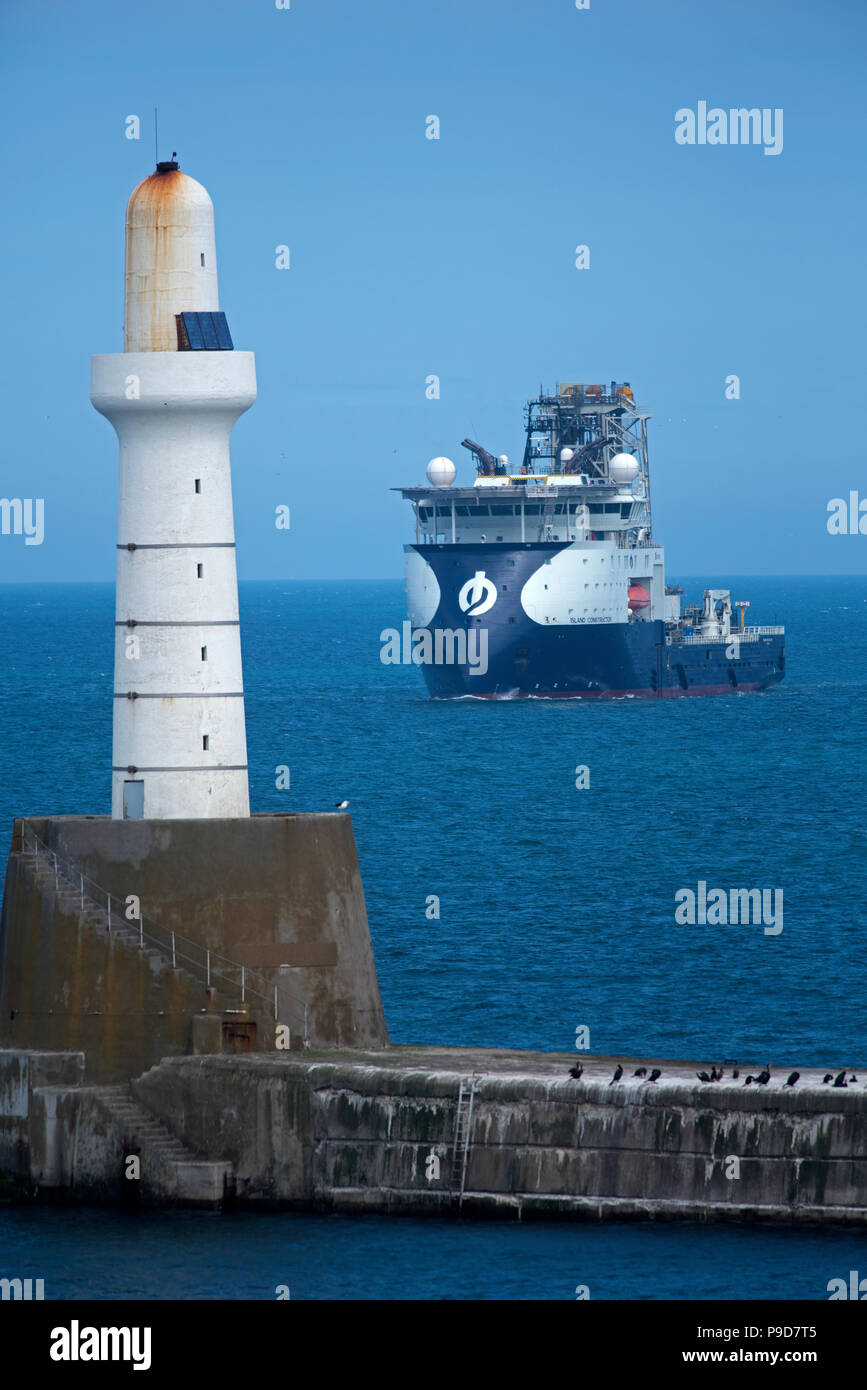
pixel 204 653
pixel 198 484
pixel 205 738
pixel 203 258
pixel 200 571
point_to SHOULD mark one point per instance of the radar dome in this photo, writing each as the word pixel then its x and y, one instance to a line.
pixel 566 455
pixel 441 472
pixel 623 468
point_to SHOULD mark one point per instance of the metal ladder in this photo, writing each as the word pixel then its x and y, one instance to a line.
pixel 546 519
pixel 463 1129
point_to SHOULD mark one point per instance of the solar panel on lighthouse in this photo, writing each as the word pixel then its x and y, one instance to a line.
pixel 204 332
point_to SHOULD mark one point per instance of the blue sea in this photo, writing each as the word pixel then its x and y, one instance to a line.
pixel 556 910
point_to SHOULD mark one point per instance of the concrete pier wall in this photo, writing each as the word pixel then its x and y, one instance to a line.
pixel 540 1143
pixel 280 896
pixel 108 1052
pixel 351 1131
pixel 22 1074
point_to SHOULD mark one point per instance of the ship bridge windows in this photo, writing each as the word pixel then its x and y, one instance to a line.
pixel 502 511
pixel 611 508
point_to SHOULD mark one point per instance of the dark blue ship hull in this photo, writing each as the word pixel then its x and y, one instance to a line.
pixel 598 661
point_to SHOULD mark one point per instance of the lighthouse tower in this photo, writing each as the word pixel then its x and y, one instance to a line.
pixel 173 396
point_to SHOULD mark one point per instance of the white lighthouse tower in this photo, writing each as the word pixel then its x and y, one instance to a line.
pixel 173 396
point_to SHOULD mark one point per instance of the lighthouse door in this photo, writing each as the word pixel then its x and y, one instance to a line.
pixel 133 800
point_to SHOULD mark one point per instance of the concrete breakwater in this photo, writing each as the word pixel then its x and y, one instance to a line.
pixel 134 940
pixel 437 1130
pixel 191 1014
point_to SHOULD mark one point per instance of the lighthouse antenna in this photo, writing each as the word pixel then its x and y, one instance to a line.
pixel 156 142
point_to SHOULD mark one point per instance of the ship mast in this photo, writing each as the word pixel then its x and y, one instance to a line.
pixel 579 429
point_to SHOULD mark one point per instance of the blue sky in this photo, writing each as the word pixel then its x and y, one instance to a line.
pixel 455 257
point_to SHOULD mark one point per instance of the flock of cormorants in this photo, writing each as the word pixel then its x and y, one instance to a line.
pixel 717 1074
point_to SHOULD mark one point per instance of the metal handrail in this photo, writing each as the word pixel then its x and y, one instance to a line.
pixel 209 962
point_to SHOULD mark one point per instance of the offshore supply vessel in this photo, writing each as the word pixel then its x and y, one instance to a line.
pixel 544 579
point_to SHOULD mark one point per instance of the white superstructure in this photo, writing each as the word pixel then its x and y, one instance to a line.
pixel 173 396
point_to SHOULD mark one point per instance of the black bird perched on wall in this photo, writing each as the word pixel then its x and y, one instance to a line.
pixel 853 1077
pixel 702 1076
pixel 618 1072
pixel 716 1074
pixel 829 1076
pixel 749 1081
pixel 735 1074
pixel 641 1071
pixel 793 1077
pixel 576 1071
pixel 763 1077
pixel 655 1074
pixel 840 1078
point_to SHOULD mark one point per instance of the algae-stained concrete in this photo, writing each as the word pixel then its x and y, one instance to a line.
pixel 350 1123
pixel 61 1141
pixel 343 1130
pixel 21 1074
pixel 279 895
pixel 348 1131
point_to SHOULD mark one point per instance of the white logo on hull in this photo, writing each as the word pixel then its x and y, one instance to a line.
pixel 477 595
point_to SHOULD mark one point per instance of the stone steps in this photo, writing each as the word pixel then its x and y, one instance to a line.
pixel 169 1170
